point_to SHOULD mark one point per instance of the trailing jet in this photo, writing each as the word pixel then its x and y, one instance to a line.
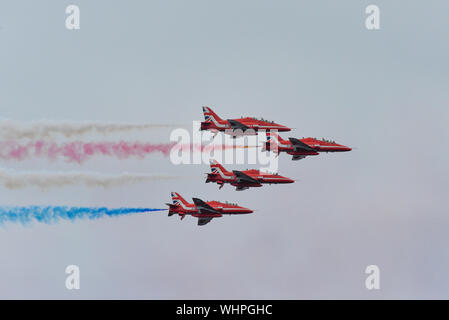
pixel 301 148
pixel 204 211
pixel 237 127
pixel 242 179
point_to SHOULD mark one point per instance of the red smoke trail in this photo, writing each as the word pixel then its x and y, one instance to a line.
pixel 81 151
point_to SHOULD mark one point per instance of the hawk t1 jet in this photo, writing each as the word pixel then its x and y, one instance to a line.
pixel 242 179
pixel 204 211
pixel 237 127
pixel 301 148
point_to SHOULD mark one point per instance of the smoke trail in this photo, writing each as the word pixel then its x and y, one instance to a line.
pixel 16 180
pixel 50 214
pixel 81 151
pixel 45 129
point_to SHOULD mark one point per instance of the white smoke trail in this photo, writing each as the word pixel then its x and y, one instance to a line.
pixel 45 128
pixel 16 180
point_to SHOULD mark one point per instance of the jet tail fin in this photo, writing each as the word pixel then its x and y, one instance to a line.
pixel 177 199
pixel 210 115
pixel 273 141
pixel 273 135
pixel 217 168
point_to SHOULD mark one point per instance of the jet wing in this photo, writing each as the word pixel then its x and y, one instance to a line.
pixel 237 125
pixel 298 157
pixel 242 177
pixel 298 145
pixel 203 221
pixel 203 207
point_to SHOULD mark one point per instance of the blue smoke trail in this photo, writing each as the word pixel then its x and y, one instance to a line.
pixel 53 214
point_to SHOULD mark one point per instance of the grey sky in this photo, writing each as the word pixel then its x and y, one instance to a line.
pixel 307 64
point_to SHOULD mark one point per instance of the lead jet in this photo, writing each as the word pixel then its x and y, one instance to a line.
pixel 237 127
pixel 242 180
pixel 204 211
pixel 301 148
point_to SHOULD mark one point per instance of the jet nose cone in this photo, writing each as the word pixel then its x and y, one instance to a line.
pixel 287 180
pixel 343 147
pixel 283 128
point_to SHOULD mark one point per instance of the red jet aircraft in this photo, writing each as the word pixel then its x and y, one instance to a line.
pixel 237 127
pixel 204 211
pixel 301 148
pixel 242 179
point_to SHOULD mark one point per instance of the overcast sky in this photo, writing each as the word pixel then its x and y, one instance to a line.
pixel 311 65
